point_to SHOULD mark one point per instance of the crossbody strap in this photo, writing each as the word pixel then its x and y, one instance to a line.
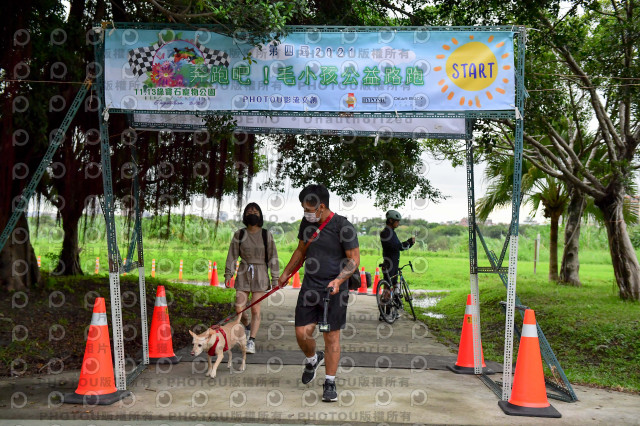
pixel 317 233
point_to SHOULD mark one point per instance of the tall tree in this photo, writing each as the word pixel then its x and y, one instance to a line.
pixel 538 189
pixel 45 43
pixel 24 39
pixel 595 44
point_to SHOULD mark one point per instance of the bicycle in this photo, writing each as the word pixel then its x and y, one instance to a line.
pixel 390 299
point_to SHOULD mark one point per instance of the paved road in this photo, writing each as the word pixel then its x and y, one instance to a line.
pixel 269 390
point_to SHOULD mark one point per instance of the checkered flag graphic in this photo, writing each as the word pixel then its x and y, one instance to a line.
pixel 212 57
pixel 141 59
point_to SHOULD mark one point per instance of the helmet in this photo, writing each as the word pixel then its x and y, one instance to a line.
pixel 393 214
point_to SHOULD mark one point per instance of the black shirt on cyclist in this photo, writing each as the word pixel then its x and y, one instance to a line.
pixel 391 246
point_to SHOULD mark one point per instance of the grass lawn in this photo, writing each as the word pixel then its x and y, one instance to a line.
pixel 28 349
pixel 595 335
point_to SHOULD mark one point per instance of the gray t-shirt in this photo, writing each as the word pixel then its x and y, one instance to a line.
pixel 326 255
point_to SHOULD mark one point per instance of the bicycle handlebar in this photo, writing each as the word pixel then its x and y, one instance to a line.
pixel 409 265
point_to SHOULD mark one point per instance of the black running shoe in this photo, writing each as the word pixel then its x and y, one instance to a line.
pixel 309 372
pixel 329 393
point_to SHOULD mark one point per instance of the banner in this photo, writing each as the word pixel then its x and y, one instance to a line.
pixel 313 71
pixel 361 126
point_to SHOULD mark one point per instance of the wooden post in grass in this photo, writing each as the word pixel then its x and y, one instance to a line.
pixel 536 253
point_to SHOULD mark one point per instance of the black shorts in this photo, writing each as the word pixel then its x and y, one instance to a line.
pixel 310 308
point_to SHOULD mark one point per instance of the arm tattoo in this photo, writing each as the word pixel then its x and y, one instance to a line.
pixel 348 270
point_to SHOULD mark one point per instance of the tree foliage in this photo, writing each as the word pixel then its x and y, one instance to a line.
pixel 391 170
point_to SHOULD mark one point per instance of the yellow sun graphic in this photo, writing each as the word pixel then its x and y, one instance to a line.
pixel 473 66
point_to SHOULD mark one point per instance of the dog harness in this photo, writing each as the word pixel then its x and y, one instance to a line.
pixel 212 351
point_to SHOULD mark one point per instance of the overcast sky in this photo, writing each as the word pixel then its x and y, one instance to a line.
pixel 450 181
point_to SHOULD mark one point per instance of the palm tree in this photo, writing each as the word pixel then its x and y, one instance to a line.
pixel 538 189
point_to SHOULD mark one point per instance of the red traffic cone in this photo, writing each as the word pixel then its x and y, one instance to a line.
pixel 296 280
pixel 529 393
pixel 214 275
pixel 97 383
pixel 464 364
pixel 160 341
pixel 363 282
pixel 376 280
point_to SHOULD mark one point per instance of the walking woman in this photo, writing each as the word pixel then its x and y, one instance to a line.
pixel 257 249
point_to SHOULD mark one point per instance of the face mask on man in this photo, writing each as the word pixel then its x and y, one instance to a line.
pixel 253 219
pixel 311 216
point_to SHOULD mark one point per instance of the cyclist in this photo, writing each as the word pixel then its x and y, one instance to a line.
pixel 391 247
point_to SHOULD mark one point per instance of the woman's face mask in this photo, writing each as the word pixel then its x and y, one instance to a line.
pixel 253 219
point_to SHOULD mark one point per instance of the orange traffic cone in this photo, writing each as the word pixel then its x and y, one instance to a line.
pixel 232 282
pixel 529 394
pixel 97 383
pixel 296 280
pixel 214 275
pixel 464 364
pixel 376 280
pixel 363 282
pixel 160 341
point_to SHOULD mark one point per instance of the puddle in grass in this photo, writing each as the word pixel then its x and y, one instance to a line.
pixel 425 300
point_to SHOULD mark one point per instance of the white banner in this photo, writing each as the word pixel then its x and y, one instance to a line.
pixel 311 70
pixel 407 127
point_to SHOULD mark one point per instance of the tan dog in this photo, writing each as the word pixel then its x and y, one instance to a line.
pixel 235 335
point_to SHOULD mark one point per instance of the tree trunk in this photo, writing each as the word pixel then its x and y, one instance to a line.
pixel 18 263
pixel 623 257
pixel 570 267
pixel 553 246
pixel 69 260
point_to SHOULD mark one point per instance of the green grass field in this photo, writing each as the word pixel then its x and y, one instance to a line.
pixel 595 335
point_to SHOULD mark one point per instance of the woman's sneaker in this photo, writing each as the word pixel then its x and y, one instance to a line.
pixel 329 394
pixel 251 347
pixel 309 372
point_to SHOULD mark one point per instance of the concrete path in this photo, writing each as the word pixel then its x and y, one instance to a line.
pixel 271 392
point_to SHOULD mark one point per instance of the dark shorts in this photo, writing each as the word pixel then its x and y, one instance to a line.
pixel 310 308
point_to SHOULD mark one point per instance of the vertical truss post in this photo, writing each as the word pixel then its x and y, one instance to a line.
pixel 109 215
pixel 141 281
pixel 515 218
pixel 473 253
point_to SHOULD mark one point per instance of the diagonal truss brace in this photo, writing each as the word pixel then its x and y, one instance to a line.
pixel 46 160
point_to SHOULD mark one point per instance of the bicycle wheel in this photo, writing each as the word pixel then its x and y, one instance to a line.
pixel 388 310
pixel 408 297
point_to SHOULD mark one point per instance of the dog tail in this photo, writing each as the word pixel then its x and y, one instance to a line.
pixel 238 318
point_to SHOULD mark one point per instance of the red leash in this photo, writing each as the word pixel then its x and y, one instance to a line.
pixel 276 288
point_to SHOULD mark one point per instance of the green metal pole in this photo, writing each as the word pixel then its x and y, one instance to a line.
pixel 515 217
pixel 473 252
pixel 109 215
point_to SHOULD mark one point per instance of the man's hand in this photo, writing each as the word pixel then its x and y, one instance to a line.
pixel 413 240
pixel 334 286
pixel 282 281
pixel 226 283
